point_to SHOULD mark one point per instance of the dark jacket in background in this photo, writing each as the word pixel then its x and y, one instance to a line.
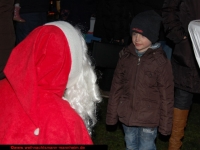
pixel 31 6
pixel 7 33
pixel 142 92
pixel 177 14
pixel 112 19
pixel 77 12
pixel 34 12
pixel 144 5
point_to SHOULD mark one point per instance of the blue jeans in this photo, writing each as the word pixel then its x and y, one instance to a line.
pixel 182 99
pixel 140 138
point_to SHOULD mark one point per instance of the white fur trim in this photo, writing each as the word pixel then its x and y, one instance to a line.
pixel 37 131
pixel 76 50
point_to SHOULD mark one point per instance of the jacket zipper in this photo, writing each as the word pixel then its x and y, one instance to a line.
pixel 138 61
pixel 132 104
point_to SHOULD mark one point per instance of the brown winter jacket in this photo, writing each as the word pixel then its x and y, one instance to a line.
pixel 142 92
pixel 176 16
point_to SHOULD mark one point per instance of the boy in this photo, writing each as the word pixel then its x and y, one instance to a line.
pixel 142 89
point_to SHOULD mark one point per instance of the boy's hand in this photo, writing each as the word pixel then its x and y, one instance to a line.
pixel 164 138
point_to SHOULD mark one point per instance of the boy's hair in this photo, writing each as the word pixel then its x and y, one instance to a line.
pixel 148 24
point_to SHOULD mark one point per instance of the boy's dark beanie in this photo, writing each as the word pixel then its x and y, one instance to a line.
pixel 148 24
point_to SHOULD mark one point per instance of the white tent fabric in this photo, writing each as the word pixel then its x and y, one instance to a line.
pixel 194 31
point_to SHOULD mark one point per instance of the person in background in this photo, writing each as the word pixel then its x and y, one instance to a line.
pixel 176 16
pixel 78 13
pixel 49 96
pixel 112 21
pixel 16 12
pixel 142 91
pixel 35 14
pixel 112 26
pixel 7 32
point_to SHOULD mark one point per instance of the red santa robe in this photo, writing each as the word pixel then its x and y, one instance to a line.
pixel 32 110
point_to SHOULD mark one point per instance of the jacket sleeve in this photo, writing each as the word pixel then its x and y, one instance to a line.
pixel 171 21
pixel 115 92
pixel 166 88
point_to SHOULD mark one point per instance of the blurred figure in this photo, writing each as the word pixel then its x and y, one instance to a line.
pixel 112 26
pixel 16 12
pixel 7 32
pixel 49 96
pixel 112 21
pixel 78 13
pixel 35 14
pixel 177 15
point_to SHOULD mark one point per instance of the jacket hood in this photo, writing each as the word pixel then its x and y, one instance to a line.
pixel 40 64
pixel 131 48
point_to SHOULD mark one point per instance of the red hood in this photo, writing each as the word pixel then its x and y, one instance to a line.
pixel 39 64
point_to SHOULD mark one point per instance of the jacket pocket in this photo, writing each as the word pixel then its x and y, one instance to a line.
pixel 122 108
pixel 150 79
pixel 148 111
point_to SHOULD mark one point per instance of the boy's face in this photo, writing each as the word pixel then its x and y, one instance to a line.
pixel 141 42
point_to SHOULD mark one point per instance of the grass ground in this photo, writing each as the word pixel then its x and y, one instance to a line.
pixel 104 135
